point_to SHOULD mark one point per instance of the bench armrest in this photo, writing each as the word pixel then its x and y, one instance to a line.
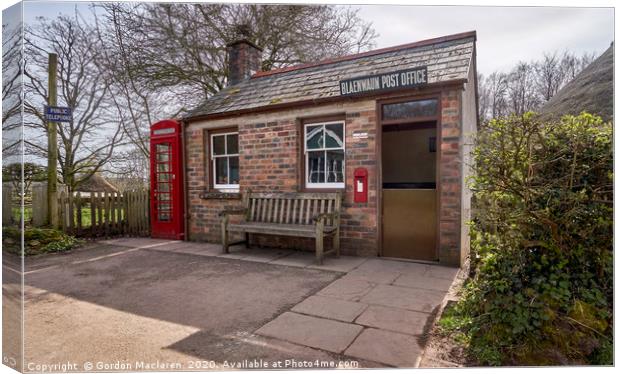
pixel 325 216
pixel 232 211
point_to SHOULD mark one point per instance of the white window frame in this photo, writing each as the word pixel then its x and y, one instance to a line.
pixel 214 157
pixel 333 185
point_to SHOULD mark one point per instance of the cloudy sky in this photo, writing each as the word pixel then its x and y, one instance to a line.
pixel 506 35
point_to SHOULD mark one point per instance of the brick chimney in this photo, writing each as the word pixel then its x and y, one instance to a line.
pixel 244 57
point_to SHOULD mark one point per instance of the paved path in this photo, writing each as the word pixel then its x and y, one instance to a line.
pixel 374 311
pixel 379 310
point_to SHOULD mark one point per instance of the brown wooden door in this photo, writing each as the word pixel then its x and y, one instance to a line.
pixel 410 223
pixel 409 195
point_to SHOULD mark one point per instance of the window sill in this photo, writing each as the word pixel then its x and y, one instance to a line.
pixel 217 195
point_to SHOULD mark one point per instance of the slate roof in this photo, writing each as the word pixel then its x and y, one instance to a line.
pixel 592 91
pixel 447 59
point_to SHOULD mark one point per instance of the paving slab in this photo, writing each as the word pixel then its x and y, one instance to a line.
pixel 442 272
pixel 347 288
pixel 202 250
pixel 139 242
pixel 387 347
pixel 342 263
pixel 397 320
pixel 424 281
pixel 391 266
pixel 264 254
pixel 328 307
pixel 297 259
pixel 310 331
pixel 374 276
pixel 415 299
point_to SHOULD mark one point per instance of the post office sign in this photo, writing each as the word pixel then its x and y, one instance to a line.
pixel 388 81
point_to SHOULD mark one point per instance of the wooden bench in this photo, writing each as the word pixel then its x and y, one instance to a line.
pixel 310 215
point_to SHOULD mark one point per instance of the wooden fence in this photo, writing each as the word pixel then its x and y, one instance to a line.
pixel 105 213
pixel 80 213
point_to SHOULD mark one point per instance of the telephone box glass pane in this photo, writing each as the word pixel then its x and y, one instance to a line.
pixel 219 145
pixel 314 137
pixel 335 166
pixel 163 187
pixel 163 157
pixel 333 136
pixel 316 167
pixel 163 168
pixel 163 148
pixel 410 109
pixel 221 170
pixel 232 144
pixel 163 177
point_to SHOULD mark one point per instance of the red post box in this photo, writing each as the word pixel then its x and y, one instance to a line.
pixel 167 205
pixel 360 185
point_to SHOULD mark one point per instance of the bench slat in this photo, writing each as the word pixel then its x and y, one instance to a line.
pixel 294 195
pixel 253 204
pixel 329 210
pixel 293 215
pixel 281 218
pixel 278 229
pixel 276 203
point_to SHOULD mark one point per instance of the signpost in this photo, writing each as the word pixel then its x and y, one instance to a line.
pixel 382 82
pixel 52 147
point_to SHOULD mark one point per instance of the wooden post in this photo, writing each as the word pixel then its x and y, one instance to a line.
pixel 93 214
pixel 78 203
pixel 52 146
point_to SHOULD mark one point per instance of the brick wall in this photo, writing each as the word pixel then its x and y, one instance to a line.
pixel 269 155
pixel 450 179
pixel 269 147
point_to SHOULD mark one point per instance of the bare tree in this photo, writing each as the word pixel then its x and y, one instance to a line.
pixel 87 142
pixel 12 66
pixel 521 85
pixel 137 104
pixel 528 85
pixel 162 59
pixel 492 93
pixel 572 64
pixel 184 45
pixel 550 75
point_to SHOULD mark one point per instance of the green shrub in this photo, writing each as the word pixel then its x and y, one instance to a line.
pixel 542 288
pixel 37 240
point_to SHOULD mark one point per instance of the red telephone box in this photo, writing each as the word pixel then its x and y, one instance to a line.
pixel 167 180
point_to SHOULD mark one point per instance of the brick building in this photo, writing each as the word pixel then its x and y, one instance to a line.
pixel 405 114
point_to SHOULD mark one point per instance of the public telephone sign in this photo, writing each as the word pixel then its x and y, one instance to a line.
pixel 388 81
pixel 58 114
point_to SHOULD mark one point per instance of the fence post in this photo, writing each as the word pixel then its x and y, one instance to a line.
pixel 39 204
pixel 78 203
pixel 93 214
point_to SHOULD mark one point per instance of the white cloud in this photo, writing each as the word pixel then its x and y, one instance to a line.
pixel 505 34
